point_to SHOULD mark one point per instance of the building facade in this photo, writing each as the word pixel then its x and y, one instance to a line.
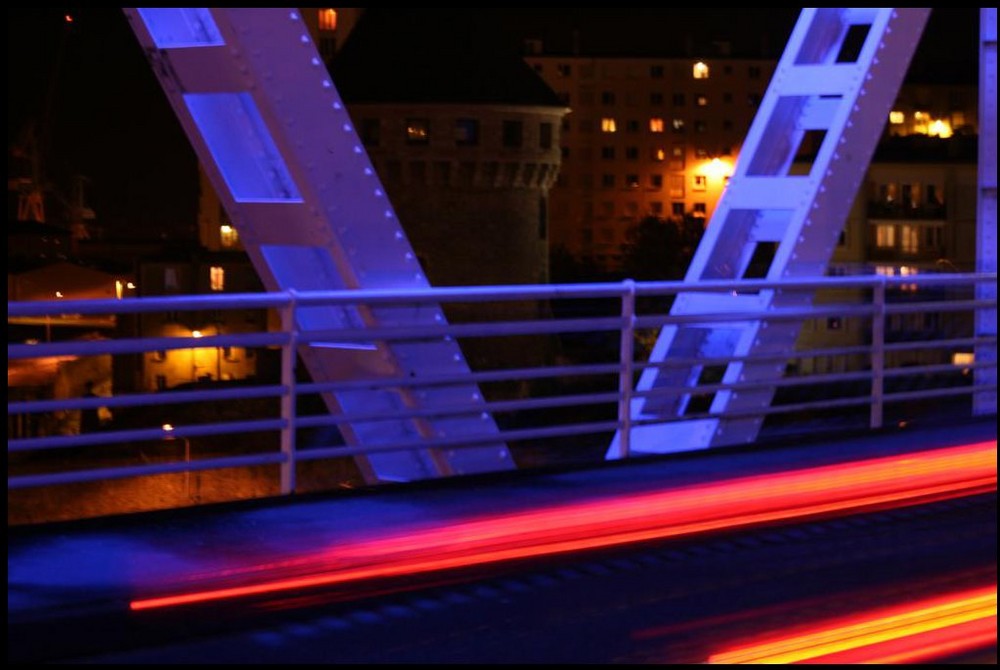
pixel 645 137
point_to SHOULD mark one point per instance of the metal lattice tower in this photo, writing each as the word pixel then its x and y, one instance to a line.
pixel 829 95
pixel 276 141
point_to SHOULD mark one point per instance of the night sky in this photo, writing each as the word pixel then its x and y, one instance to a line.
pixel 108 119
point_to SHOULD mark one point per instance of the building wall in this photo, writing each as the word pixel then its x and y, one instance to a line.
pixel 159 370
pixel 645 136
pixel 470 185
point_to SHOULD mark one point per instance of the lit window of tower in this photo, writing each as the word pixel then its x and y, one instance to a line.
pixel 327 32
pixel 700 70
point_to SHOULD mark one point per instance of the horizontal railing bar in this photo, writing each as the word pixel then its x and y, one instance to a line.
pixel 495 407
pixel 467 293
pixel 486 329
pixel 466 441
pixel 101 474
pixel 143 435
pixel 141 345
pixel 939 306
pixel 934 393
pixel 483 377
pixel 933 344
pixel 145 399
pixel 741 386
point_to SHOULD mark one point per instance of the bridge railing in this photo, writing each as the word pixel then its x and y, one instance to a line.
pixel 556 366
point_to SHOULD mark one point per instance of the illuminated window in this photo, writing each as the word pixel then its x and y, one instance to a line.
pixel 676 186
pixel 228 236
pixel 896 117
pixel 699 70
pixel 656 125
pixel 700 182
pixel 328 19
pixel 700 210
pixel 217 278
pixel 418 131
pixel 657 154
pixel 701 152
pixel 910 239
pixel 885 236
pixel 702 100
pixel 963 358
pixel 677 157
pixel 632 181
pixel 677 125
pixel 608 125
pixel 939 128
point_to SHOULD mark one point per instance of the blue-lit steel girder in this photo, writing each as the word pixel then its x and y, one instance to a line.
pixel 831 92
pixel 278 145
pixel 985 402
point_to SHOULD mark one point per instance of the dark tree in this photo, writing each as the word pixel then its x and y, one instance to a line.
pixel 660 249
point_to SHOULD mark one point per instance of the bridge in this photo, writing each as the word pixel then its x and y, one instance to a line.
pixel 685 416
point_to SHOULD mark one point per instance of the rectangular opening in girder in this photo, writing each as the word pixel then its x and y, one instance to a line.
pixel 854 42
pixel 760 260
pixel 242 146
pixel 179 27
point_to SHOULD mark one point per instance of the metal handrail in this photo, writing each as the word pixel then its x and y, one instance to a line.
pixel 619 372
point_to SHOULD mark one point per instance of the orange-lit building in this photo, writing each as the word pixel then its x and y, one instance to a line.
pixel 645 136
pixel 660 136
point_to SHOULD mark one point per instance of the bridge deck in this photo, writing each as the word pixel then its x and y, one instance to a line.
pixel 93 570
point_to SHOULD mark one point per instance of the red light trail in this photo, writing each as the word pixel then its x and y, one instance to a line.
pixel 914 632
pixel 747 501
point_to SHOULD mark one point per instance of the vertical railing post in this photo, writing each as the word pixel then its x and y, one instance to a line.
pixel 625 376
pixel 289 355
pixel 878 352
